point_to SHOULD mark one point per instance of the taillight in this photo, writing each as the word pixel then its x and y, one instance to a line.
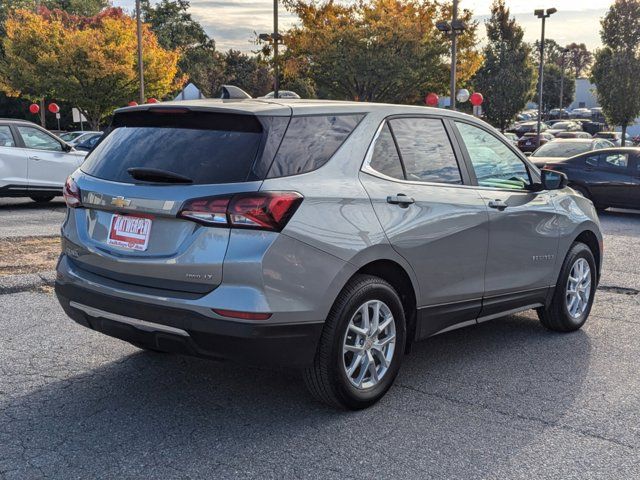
pixel 71 193
pixel 259 210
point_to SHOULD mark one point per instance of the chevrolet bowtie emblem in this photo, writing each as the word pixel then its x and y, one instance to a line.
pixel 120 202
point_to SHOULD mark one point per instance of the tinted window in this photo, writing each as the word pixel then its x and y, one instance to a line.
pixel 495 164
pixel 614 160
pixel 6 138
pixel 310 141
pixel 592 160
pixel 34 138
pixel 385 158
pixel 205 156
pixel 425 150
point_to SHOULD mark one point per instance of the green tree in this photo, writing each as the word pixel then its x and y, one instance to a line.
pixel 507 77
pixel 617 66
pixel 579 59
pixel 552 51
pixel 251 74
pixel 551 87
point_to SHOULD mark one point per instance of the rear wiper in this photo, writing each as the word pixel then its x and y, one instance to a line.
pixel 157 175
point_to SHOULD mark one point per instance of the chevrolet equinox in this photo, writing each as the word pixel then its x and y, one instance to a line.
pixel 322 235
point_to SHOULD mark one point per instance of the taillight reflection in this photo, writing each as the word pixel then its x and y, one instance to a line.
pixel 71 193
pixel 258 210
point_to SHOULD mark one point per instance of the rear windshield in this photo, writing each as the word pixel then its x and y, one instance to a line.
pixel 207 149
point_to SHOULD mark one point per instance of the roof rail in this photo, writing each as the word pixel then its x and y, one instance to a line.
pixel 233 92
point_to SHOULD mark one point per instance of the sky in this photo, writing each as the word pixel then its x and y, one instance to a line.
pixel 231 23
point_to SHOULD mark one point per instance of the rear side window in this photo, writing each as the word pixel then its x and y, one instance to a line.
pixel 385 158
pixel 425 150
pixel 208 149
pixel 6 138
pixel 310 141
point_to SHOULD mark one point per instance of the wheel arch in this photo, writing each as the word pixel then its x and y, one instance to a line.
pixel 591 240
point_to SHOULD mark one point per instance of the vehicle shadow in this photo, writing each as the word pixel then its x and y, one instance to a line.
pixel 458 395
pixel 28 204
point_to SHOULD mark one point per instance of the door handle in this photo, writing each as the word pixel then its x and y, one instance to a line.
pixel 34 157
pixel 497 204
pixel 400 199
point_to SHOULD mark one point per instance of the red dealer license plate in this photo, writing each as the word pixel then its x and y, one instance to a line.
pixel 129 232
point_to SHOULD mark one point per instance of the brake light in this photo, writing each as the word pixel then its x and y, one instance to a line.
pixel 71 193
pixel 258 210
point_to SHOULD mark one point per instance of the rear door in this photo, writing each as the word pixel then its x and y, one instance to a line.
pixel 13 162
pixel 49 163
pixel 523 225
pixel 420 193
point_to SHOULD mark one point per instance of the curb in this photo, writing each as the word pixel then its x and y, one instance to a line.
pixel 25 282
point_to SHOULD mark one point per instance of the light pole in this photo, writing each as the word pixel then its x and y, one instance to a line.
pixel 562 59
pixel 140 64
pixel 275 38
pixel 455 28
pixel 542 15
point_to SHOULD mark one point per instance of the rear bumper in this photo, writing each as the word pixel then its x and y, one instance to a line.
pixel 187 332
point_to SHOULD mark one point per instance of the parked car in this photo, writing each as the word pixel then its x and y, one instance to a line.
pixel 527 127
pixel 529 141
pixel 580 112
pixel 33 162
pixel 564 126
pixel 609 177
pixel 76 138
pixel 89 144
pixel 565 148
pixel 615 138
pixel 512 137
pixel 573 135
pixel 327 236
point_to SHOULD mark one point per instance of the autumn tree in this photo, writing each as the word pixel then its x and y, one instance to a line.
pixel 617 65
pixel 378 50
pixel 88 61
pixel 579 59
pixel 507 77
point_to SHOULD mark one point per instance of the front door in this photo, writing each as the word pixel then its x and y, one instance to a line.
pixel 431 218
pixel 49 163
pixel 612 180
pixel 523 224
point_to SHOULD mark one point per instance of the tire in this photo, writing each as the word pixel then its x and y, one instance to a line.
pixel 43 199
pixel 557 316
pixel 327 378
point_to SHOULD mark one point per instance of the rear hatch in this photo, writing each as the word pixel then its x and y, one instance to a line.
pixel 154 164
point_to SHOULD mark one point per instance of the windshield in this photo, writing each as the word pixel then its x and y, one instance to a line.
pixel 67 137
pixel 564 149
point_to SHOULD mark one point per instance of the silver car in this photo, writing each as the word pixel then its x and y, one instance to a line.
pixel 325 236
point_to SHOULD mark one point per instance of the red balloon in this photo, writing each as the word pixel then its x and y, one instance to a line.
pixel 476 99
pixel 54 108
pixel 432 99
pixel 34 108
pixel 132 104
pixel 152 100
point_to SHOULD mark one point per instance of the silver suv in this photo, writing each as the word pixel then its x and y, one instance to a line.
pixel 326 236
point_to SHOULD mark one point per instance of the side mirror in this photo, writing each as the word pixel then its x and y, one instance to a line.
pixel 552 180
pixel 527 154
pixel 66 147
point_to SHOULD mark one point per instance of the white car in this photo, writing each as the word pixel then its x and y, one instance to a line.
pixel 33 162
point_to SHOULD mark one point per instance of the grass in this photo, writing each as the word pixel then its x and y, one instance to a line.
pixel 19 255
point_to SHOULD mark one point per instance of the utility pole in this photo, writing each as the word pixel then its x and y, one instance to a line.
pixel 276 39
pixel 541 14
pixel 454 54
pixel 140 62
pixel 562 60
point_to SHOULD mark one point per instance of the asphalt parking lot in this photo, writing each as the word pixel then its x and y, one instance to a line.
pixel 502 400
